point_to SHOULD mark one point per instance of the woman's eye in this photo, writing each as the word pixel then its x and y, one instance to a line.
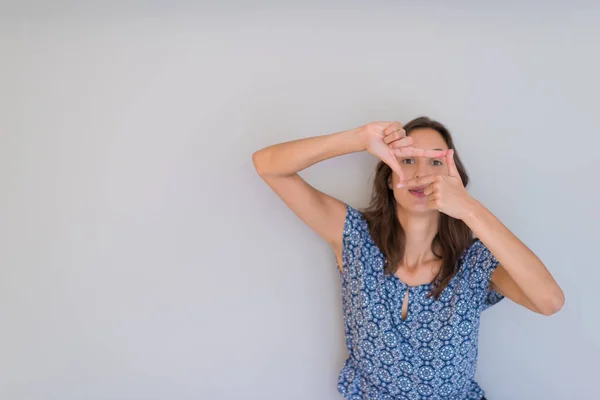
pixel 437 163
pixel 407 161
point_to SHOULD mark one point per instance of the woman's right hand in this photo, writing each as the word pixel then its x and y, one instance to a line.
pixel 388 141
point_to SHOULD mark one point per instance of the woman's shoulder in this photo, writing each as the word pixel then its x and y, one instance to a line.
pixel 356 228
pixel 355 220
pixel 478 263
pixel 477 252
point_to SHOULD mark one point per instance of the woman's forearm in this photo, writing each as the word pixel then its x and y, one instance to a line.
pixel 288 158
pixel 524 267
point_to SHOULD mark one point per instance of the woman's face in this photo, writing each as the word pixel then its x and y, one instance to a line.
pixel 413 199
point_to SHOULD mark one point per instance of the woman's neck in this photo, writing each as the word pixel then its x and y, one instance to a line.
pixel 420 230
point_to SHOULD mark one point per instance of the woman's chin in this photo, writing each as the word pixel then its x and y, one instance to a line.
pixel 417 209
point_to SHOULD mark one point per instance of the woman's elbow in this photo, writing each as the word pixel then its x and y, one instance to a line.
pixel 553 303
pixel 258 159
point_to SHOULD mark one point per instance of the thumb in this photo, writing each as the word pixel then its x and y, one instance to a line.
pixel 452 170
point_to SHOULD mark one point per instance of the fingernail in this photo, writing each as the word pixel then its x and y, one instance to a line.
pixel 400 185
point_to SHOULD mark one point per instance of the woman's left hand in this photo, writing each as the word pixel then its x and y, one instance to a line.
pixel 446 193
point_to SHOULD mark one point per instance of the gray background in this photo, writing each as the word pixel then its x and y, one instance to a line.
pixel 141 256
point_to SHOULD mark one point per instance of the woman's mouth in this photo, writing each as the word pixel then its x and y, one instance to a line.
pixel 418 191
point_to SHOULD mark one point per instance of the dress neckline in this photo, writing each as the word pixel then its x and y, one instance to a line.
pixel 413 287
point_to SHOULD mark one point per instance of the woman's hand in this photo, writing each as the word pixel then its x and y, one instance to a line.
pixel 446 193
pixel 388 141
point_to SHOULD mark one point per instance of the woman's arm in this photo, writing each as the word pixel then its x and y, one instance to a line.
pixel 278 165
pixel 521 275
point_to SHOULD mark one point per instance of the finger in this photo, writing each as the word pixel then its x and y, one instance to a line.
pixel 434 203
pixel 387 139
pixel 416 152
pixel 393 163
pixel 394 127
pixel 429 190
pixel 452 170
pixel 399 142
pixel 419 181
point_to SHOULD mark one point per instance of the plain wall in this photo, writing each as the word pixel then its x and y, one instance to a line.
pixel 141 257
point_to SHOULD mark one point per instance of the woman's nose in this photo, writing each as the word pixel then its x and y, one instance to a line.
pixel 422 167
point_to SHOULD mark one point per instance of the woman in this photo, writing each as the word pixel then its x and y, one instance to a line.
pixel 414 278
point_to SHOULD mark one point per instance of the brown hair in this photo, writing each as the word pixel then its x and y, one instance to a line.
pixel 453 236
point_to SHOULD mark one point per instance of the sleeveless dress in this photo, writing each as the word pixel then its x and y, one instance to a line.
pixel 432 354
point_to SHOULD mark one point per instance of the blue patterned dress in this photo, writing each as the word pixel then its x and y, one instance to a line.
pixel 432 354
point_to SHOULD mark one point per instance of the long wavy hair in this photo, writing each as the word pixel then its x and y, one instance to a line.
pixel 453 237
